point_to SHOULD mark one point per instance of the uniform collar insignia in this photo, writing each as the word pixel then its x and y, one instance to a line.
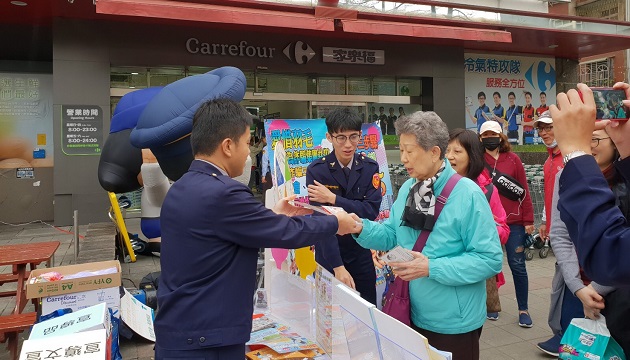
pixel 332 164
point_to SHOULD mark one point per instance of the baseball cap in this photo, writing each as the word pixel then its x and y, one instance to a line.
pixel 490 126
pixel 545 118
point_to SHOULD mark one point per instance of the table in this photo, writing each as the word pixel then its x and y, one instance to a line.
pixel 19 256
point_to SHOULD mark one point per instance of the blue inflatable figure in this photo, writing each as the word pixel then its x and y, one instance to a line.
pixel 155 123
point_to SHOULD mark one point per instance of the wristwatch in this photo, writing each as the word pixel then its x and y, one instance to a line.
pixel 572 155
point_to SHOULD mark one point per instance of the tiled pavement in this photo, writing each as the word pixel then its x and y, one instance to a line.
pixel 502 339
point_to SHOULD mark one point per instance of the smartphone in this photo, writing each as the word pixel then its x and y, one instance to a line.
pixel 608 102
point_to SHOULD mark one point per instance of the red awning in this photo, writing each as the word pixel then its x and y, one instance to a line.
pixel 176 10
pixel 425 31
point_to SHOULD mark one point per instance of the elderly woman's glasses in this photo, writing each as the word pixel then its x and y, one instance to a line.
pixel 341 139
pixel 545 128
pixel 595 141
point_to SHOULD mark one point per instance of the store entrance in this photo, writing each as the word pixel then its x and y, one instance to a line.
pixel 312 106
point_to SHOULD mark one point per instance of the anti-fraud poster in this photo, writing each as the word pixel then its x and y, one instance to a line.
pixel 294 144
pixel 26 126
pixel 512 90
pixel 298 143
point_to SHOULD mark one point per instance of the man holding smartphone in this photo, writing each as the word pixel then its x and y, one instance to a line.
pixel 597 227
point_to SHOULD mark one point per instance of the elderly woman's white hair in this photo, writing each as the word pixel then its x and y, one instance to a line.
pixel 427 127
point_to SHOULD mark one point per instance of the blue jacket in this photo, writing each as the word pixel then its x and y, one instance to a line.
pixel 596 225
pixel 463 250
pixel 212 229
pixel 356 195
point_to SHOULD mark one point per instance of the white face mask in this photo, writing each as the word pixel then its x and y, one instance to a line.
pixel 552 145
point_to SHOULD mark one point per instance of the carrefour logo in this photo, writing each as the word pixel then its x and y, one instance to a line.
pixel 541 75
pixel 300 52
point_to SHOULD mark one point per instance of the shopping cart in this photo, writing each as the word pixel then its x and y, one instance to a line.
pixel 537 193
pixel 398 176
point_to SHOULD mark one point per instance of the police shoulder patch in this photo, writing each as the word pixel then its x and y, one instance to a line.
pixel 376 181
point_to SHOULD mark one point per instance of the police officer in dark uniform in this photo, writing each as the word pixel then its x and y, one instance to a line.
pixel 350 181
pixel 212 228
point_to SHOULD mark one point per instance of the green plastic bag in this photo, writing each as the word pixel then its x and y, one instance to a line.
pixel 589 339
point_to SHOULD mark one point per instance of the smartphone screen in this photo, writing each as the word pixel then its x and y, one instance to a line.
pixel 609 104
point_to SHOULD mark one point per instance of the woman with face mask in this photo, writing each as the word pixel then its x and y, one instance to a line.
pixel 465 154
pixel 520 213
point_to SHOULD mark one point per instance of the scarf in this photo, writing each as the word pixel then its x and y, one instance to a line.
pixel 422 192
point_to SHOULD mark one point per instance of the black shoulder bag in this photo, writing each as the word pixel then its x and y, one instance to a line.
pixel 507 186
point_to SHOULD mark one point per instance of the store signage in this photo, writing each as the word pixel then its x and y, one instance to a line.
pixel 81 129
pixel 242 49
pixel 353 56
pixel 300 52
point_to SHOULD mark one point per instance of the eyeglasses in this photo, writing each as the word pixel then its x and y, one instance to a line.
pixel 595 141
pixel 545 128
pixel 341 139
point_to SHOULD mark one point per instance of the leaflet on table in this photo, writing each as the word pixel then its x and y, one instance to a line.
pixel 267 353
pixel 281 340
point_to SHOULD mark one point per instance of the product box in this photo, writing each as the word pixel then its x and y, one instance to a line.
pixel 88 345
pixel 83 299
pixel 82 281
pixel 92 318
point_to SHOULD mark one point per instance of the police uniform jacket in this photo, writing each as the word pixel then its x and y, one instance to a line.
pixel 212 228
pixel 359 194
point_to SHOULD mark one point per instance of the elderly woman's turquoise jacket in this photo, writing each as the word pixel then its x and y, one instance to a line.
pixel 463 251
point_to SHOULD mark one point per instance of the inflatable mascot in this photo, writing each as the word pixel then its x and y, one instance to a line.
pixel 149 143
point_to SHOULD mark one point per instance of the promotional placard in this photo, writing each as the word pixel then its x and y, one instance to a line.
pixel 26 120
pixel 512 90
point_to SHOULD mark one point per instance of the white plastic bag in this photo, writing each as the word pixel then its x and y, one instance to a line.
pixel 589 339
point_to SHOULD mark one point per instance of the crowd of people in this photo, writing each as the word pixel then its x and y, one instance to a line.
pixel 466 196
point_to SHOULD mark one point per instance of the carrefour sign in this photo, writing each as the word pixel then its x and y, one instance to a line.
pixel 242 49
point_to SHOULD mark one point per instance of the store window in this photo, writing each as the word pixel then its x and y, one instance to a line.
pixel 409 87
pixel 128 78
pixel 359 86
pixel 165 75
pixel 332 85
pixel 280 83
pixel 384 86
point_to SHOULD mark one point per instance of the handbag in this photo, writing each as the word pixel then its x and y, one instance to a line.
pixel 397 303
pixel 507 186
pixel 493 303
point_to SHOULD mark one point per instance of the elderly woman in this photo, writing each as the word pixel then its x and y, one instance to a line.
pixel 447 280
